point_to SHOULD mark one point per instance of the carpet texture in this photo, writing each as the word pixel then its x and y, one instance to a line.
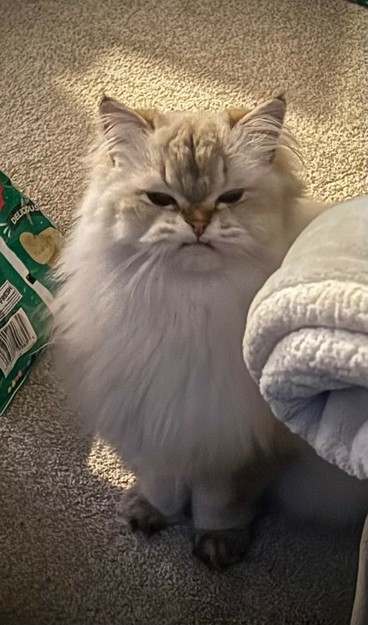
pixel 63 557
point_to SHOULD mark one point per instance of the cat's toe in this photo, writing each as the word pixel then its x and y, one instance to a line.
pixel 221 548
pixel 141 515
pixel 149 523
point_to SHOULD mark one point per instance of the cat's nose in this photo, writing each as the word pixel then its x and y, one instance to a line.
pixel 198 227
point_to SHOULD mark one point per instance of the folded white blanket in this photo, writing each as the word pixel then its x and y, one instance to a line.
pixel 306 342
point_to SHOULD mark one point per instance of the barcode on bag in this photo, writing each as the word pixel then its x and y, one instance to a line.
pixel 9 297
pixel 16 337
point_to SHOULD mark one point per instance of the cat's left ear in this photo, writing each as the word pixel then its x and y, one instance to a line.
pixel 125 130
pixel 260 128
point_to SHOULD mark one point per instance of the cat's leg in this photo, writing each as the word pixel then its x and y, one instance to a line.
pixel 221 521
pixel 223 510
pixel 154 502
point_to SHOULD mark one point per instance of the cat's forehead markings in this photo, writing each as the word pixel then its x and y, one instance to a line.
pixel 190 162
pixel 197 150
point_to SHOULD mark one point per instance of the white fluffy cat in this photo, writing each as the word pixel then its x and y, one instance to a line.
pixel 185 217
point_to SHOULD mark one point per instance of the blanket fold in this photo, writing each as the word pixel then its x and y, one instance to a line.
pixel 306 341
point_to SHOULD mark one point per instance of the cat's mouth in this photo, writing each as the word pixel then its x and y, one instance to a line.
pixel 198 244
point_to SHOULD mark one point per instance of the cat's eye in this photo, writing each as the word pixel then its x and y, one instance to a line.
pixel 161 199
pixel 230 197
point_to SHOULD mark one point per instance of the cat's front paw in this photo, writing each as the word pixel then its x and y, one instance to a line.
pixel 221 548
pixel 140 514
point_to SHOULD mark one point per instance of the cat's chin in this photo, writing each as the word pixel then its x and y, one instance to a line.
pixel 199 257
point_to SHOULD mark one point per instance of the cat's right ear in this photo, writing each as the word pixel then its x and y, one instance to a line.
pixel 125 131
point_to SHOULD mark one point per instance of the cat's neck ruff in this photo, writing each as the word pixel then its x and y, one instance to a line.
pixel 159 358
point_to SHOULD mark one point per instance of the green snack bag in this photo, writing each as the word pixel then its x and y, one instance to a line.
pixel 29 245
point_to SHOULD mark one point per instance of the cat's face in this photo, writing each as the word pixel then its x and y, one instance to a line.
pixel 197 187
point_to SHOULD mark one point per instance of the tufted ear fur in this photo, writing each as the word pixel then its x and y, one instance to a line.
pixel 125 130
pixel 259 129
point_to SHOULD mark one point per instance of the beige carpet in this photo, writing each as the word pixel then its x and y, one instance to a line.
pixel 62 557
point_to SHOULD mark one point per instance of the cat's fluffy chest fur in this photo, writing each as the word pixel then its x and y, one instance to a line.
pixel 158 358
